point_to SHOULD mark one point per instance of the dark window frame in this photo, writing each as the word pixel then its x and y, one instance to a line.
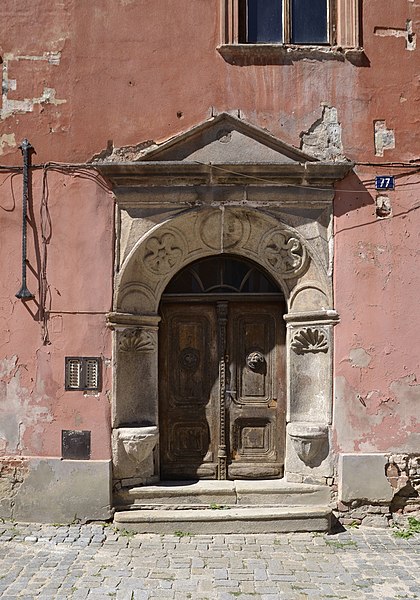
pixel 287 35
pixel 345 31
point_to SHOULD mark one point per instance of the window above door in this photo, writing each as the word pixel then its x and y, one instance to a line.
pixel 221 275
pixel 285 21
pixel 289 26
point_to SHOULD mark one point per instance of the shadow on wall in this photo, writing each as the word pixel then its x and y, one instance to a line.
pixel 352 194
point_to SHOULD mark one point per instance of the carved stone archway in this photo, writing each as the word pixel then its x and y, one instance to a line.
pixel 291 261
pixel 261 200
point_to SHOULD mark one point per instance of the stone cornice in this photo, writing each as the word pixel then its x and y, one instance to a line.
pixel 179 173
pixel 116 320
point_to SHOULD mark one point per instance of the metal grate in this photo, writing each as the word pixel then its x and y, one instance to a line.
pixel 83 373
pixel 92 372
pixel 74 372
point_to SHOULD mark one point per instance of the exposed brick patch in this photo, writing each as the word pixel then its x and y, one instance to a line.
pixel 403 474
pixel 13 470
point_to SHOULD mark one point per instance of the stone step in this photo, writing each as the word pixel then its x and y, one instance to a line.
pixel 230 520
pixel 270 492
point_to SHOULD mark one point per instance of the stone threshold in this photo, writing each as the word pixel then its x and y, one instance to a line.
pixel 240 506
pixel 237 492
pixel 231 520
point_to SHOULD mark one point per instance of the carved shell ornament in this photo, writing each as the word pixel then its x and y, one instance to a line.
pixel 162 253
pixel 285 253
pixel 310 340
pixel 137 340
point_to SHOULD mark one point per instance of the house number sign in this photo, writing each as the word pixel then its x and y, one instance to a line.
pixel 385 182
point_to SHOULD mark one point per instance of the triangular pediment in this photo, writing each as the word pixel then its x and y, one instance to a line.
pixel 226 140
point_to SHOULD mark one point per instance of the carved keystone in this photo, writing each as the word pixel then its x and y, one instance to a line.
pixel 308 439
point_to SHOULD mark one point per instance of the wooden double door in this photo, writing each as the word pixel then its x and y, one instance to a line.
pixel 222 390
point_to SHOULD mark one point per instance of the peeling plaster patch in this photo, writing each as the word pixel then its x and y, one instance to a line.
pixel 391 433
pixel 125 153
pixel 48 96
pixel 7 366
pixel 17 409
pixel 368 421
pixel 383 206
pixel 323 138
pixel 384 138
pixel 407 33
pixel 370 253
pixel 407 391
pixel 7 139
pixel 359 358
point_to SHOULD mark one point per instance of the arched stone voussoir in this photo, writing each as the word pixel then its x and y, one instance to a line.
pixel 168 247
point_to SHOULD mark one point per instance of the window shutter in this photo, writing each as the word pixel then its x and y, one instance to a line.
pixel 348 28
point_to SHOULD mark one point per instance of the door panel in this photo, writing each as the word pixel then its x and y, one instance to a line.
pixel 257 406
pixel 188 392
pixel 199 421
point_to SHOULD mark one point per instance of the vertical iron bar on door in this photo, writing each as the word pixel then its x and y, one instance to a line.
pixel 222 310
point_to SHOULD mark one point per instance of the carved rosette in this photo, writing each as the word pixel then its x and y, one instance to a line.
pixel 189 359
pixel 308 439
pixel 285 253
pixel 137 340
pixel 162 253
pixel 310 339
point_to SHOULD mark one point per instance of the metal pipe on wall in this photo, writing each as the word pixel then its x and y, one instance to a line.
pixel 25 147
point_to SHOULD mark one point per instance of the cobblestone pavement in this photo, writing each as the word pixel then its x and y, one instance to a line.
pixel 96 562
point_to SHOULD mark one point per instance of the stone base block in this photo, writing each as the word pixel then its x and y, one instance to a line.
pixel 362 477
pixel 63 491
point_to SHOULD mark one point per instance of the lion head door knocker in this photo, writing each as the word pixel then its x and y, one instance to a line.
pixel 256 362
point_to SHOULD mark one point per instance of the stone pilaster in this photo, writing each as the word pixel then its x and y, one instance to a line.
pixel 309 404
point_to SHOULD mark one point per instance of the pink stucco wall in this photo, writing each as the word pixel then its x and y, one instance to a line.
pixel 77 220
pixel 377 283
pixel 84 76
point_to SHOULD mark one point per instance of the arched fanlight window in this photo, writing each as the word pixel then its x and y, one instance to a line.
pixel 221 275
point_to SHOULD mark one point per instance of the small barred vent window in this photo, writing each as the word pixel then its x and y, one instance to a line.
pixel 92 372
pixel 73 374
pixel 83 373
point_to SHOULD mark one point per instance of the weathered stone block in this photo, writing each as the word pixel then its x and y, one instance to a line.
pixel 375 521
pixel 56 490
pixel 362 477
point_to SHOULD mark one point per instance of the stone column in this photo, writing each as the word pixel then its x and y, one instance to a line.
pixel 309 406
